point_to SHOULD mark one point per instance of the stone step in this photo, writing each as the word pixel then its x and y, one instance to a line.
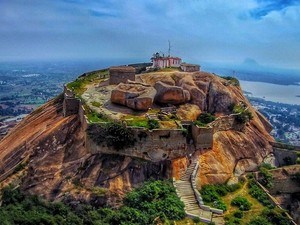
pixel 187 195
pixel 190 209
pixel 191 196
pixel 184 185
pixel 190 201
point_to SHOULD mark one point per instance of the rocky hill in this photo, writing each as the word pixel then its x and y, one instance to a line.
pixel 47 154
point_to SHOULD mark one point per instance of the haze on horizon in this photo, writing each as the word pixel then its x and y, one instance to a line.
pixel 200 31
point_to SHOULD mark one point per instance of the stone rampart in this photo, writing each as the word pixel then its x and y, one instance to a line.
pixel 70 106
pixel 71 103
pixel 82 116
pixel 268 126
pixel 284 157
pixel 285 146
pixel 121 74
pixel 283 181
pixel 224 123
pixel 202 136
pixel 154 145
pixel 275 202
pixel 198 195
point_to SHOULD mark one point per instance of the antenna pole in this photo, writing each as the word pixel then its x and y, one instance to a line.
pixel 169 50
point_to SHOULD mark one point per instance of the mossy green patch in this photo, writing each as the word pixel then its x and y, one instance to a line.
pixel 79 85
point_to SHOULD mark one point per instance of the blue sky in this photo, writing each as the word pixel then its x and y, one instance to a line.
pixel 199 30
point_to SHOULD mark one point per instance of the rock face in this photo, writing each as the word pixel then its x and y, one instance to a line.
pixel 167 94
pixel 134 96
pixel 219 99
pixel 188 112
pixel 59 167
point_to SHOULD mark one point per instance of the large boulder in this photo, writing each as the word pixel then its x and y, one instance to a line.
pixel 167 94
pixel 219 98
pixel 188 112
pixel 198 97
pixel 134 96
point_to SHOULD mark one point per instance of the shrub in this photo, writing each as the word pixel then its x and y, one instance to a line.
pixel 266 177
pixel 242 203
pixel 267 166
pixel 259 221
pixel 231 220
pixel 196 220
pixel 211 194
pixel 256 192
pixel 153 124
pixel 238 214
pixel 96 104
pixel 243 114
pixel 276 216
pixel 141 206
pixel 232 80
pixel 205 118
pixel 114 134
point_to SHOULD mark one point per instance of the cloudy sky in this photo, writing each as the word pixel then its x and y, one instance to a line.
pixel 199 30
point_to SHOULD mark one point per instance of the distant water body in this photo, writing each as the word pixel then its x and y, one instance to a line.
pixel 289 94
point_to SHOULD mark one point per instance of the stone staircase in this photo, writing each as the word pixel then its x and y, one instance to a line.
pixel 186 193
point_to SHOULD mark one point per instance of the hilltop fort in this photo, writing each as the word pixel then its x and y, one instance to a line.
pixel 117 127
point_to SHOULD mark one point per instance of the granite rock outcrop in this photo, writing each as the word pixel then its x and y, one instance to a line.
pixel 134 96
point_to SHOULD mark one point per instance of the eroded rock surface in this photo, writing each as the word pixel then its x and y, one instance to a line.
pixel 61 168
pixel 134 96
pixel 167 94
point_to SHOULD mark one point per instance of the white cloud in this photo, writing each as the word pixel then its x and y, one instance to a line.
pixel 205 30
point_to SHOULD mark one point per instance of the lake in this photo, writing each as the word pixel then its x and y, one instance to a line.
pixel 273 92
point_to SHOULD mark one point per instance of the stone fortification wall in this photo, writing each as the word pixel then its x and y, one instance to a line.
pixel 268 126
pixel 121 74
pixel 282 156
pixel 282 180
pixel 82 116
pixel 275 202
pixel 154 145
pixel 285 146
pixel 70 104
pixel 202 136
pixel 189 67
pixel 224 123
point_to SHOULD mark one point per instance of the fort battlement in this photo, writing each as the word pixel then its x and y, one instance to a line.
pixel 156 144
pixel 121 74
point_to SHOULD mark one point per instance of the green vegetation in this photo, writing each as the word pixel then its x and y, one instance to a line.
pixel 155 199
pixel 244 115
pixel 79 85
pixel 256 192
pixel 137 122
pixel 114 134
pixel 204 119
pixel 232 80
pixel 153 124
pixel 143 122
pixel 266 176
pixel 211 194
pixel 274 216
pixel 242 203
pixel 96 104
pixel 247 203
pixel 94 117
pixel 20 167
